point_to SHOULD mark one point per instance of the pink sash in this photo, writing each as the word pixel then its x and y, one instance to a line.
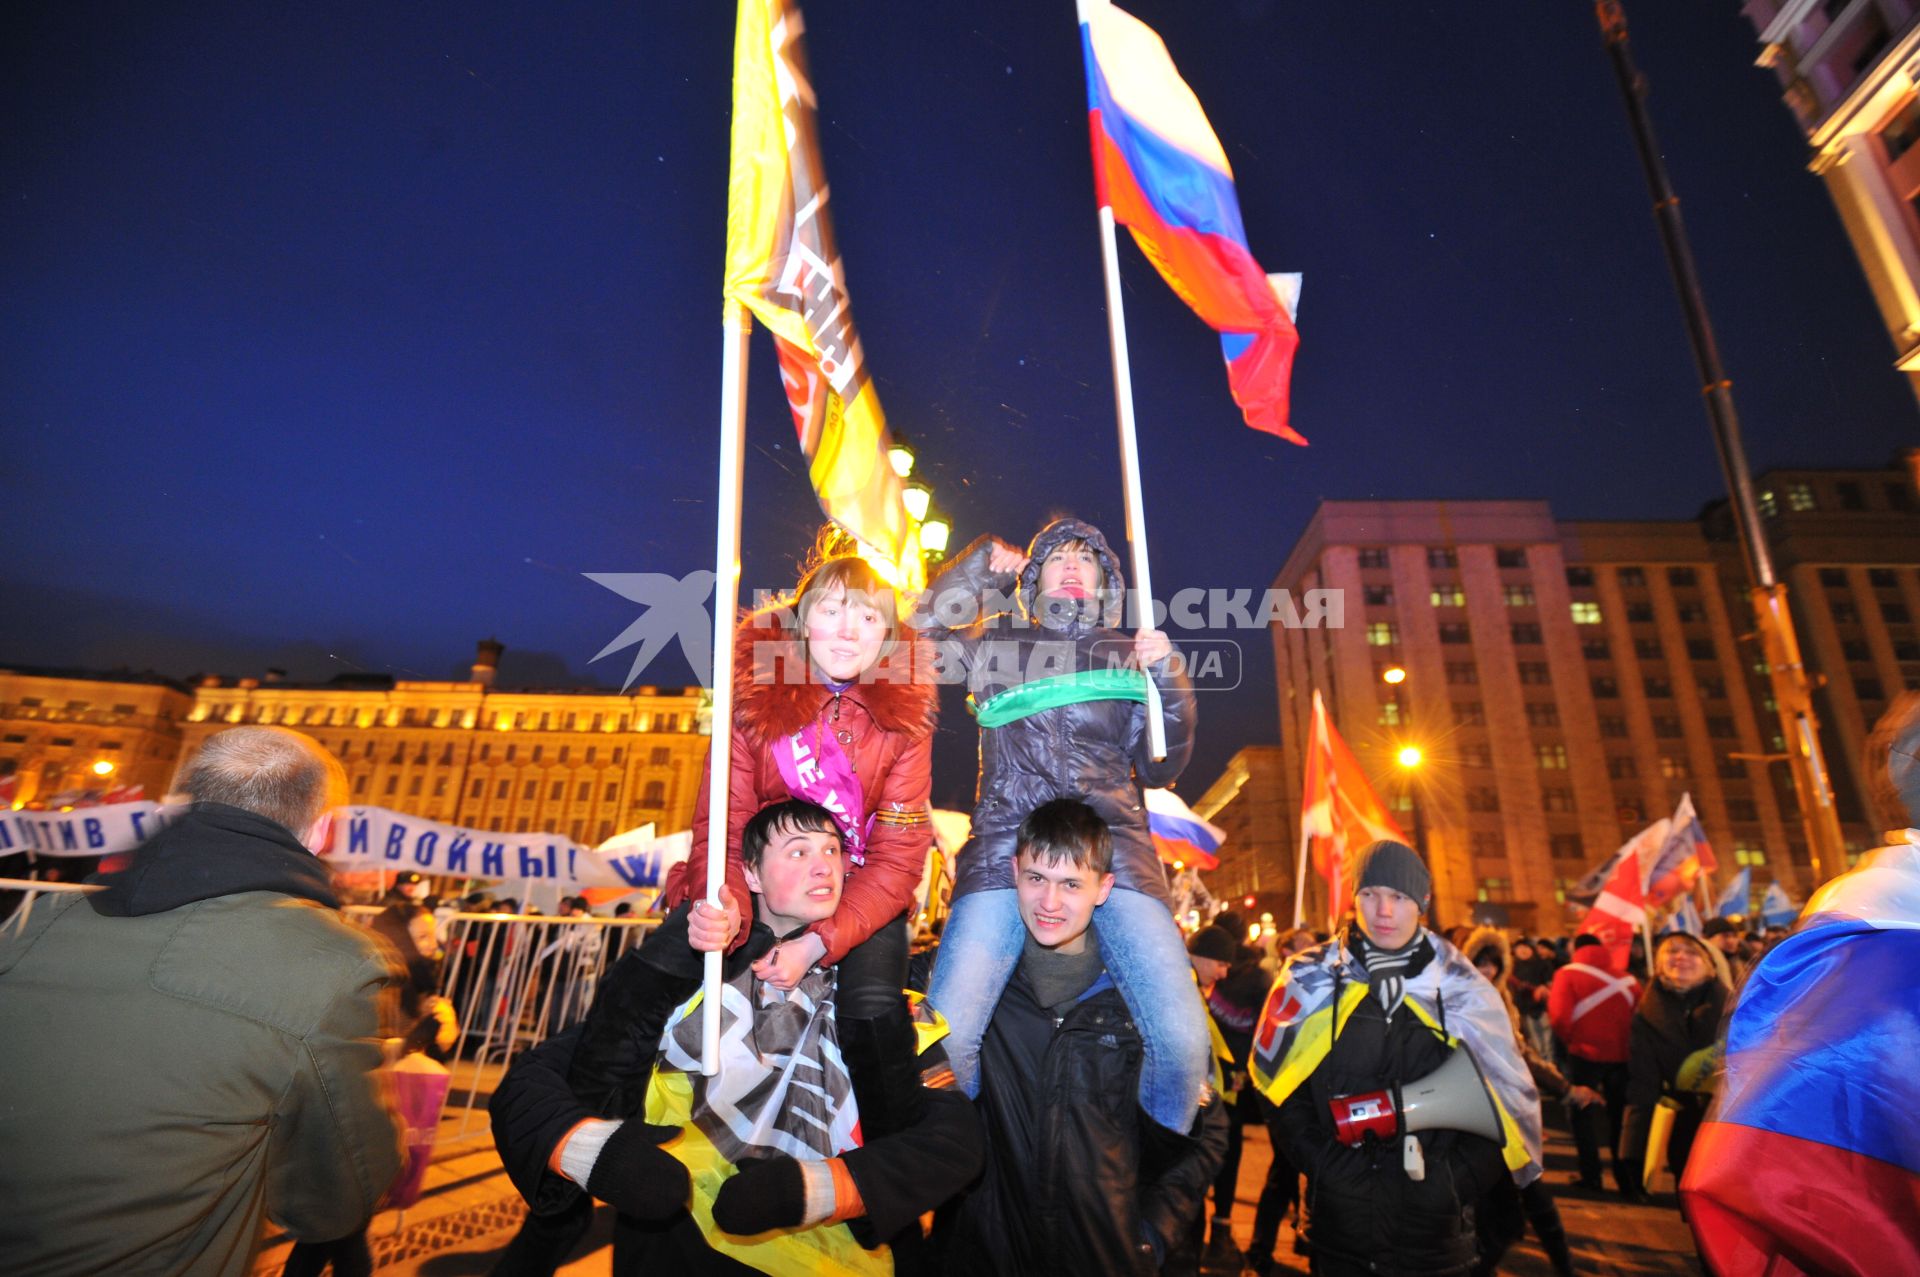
pixel 819 771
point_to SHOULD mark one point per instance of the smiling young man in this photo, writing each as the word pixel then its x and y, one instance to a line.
pixel 1382 1005
pixel 1078 1180
pixel 756 1168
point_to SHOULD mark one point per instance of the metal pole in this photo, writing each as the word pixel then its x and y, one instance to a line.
pixel 1791 686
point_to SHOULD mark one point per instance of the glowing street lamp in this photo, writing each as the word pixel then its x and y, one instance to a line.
pixel 934 533
pixel 1393 676
pixel 103 768
pixel 902 458
pixel 1409 757
pixel 918 497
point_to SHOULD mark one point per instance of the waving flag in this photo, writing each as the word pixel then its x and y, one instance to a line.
pixel 1810 1162
pixel 1619 911
pixel 1179 835
pixel 1339 812
pixel 1684 918
pixel 783 265
pixel 1736 895
pixel 1682 858
pixel 1777 908
pixel 1158 165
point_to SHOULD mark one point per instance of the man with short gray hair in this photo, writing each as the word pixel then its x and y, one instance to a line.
pixel 194 1048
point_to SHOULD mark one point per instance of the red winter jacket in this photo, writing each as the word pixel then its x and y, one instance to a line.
pixel 889 713
pixel 1602 1031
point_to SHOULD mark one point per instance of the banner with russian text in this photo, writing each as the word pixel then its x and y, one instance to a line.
pixel 85 831
pixel 376 838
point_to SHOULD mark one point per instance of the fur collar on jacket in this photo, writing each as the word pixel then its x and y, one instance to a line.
pixel 775 693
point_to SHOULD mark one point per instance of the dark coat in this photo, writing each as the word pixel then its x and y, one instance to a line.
pixel 1095 751
pixel 1365 1214
pixel 1078 1180
pixel 1667 1029
pixel 188 1051
pixel 900 1176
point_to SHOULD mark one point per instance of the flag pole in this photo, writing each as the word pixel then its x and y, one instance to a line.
pixel 736 326
pixel 1300 881
pixel 1130 466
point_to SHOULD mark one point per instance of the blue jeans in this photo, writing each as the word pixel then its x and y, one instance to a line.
pixel 1141 946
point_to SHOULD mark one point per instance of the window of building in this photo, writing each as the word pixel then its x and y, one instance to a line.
pixel 1543 714
pixel 1666 727
pixel 660 757
pixel 1613 726
pixel 1586 612
pixel 1657 686
pixel 1845 614
pixel 1620 767
pixel 1720 727
pixel 1462 673
pixel 1579 578
pixel 1382 633
pixel 1700 649
pixel 1486 845
pixel 1632 577
pixel 1649 649
pixel 439 786
pixel 1674 767
pixel 1448 596
pixel 1390 713
pixel 1742 809
pixel 501 789
pixel 523 824
pixel 1639 613
pixel 1566 847
pixel 1894 613
pixel 1483 798
pixel 1834 578
pixel 564 751
pixel 1535 673
pixel 360 783
pixel 1525 632
pixel 510 753
pixel 537 751
pixel 606 830
pixel 1518 595
pixel 571 721
pixel 1494 888
pixel 478 788
pixel 1556 798
pixel 583 792
pixel 1442 557
pixel 1475 754
pixel 613 792
pixel 668 723
pixel 1800 497
pixel 1606 688
pixel 556 791
pixel 1868 689
pixel 1551 757
pixel 592 750
pixel 617 752
pixel 393 786
pixel 1906 650
pixel 1855 650
pixel 1747 854
pixel 546 721
pixel 1680 577
pixel 1898 134
pixel 1898 498
pixel 1731 769
pixel 1510 556
pixel 1373 556
pixel 655 795
pixel 529 791
pixel 1377 595
pixel 1469 714
pixel 577 830
pixel 1596 649
pixel 1879 578
pixel 1692 613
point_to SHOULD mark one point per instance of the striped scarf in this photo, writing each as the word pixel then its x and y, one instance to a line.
pixel 1387 973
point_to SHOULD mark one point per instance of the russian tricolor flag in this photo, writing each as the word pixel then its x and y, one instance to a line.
pixel 1810 1163
pixel 1180 836
pixel 1157 163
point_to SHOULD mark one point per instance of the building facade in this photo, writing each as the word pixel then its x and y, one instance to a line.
pixel 1850 70
pixel 1567 681
pixel 1253 806
pixel 67 732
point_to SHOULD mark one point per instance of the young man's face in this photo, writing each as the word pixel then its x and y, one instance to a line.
pixel 1389 918
pixel 1071 571
pixel 798 881
pixel 1207 970
pixel 1057 900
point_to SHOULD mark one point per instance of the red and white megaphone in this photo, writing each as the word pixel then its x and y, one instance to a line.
pixel 1454 1097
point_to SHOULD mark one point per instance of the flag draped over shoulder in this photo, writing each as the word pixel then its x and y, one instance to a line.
pixel 1339 811
pixel 784 267
pixel 1158 165
pixel 1810 1162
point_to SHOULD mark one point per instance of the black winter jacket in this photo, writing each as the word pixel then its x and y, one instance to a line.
pixel 1667 1028
pixel 1078 1180
pixel 1365 1214
pixel 1095 751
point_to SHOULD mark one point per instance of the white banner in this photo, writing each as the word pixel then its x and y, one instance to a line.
pixel 376 838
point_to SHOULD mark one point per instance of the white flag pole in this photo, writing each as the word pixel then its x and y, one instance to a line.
pixel 1130 468
pixel 736 327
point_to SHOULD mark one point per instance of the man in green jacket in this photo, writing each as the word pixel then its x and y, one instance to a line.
pixel 196 1047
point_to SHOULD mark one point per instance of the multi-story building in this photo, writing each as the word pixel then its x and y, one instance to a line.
pixel 63 731
pixel 1567 681
pixel 1850 68
pixel 1251 804
pixel 583 762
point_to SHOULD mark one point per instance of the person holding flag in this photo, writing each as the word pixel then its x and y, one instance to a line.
pixel 1669 1061
pixel 1060 694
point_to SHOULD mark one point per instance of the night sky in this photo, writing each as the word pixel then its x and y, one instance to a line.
pixel 339 336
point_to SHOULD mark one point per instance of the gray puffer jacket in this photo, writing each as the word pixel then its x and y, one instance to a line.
pixel 1095 751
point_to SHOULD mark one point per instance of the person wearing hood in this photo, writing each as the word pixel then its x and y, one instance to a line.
pixel 1385 1004
pixel 1060 693
pixel 195 1048
pixel 1675 1031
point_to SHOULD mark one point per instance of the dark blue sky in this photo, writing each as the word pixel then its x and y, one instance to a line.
pixel 338 336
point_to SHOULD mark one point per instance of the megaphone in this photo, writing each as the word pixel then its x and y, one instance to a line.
pixel 1454 1097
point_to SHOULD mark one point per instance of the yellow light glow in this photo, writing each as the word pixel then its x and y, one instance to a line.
pixel 917 497
pixel 1393 674
pixel 934 533
pixel 1178 865
pixel 103 768
pixel 1409 756
pixel 902 458
pixel 1253 933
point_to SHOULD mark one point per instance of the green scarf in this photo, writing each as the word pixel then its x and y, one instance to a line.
pixel 1063 689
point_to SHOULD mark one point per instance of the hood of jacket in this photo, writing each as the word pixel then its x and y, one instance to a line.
pixel 212 850
pixel 1104 611
pixel 1490 938
pixel 775 691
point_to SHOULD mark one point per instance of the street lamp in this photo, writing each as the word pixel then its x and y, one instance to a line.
pixel 902 458
pixel 103 768
pixel 917 496
pixel 1410 757
pixel 934 533
pixel 1393 676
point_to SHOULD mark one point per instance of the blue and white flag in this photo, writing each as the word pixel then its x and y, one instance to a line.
pixel 1776 909
pixel 1733 899
pixel 1685 918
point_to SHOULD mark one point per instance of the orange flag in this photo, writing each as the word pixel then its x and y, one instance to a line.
pixel 1339 812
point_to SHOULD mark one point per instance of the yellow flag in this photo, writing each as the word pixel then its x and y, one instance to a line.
pixel 783 265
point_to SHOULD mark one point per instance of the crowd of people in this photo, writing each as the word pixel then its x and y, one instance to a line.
pixel 1057 1087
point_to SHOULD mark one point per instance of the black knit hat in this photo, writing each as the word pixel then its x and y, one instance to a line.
pixel 1393 864
pixel 1213 942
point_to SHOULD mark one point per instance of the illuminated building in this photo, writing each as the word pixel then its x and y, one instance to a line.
pixel 584 762
pixel 1569 680
pixel 68 730
pixel 1850 69
pixel 1252 805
